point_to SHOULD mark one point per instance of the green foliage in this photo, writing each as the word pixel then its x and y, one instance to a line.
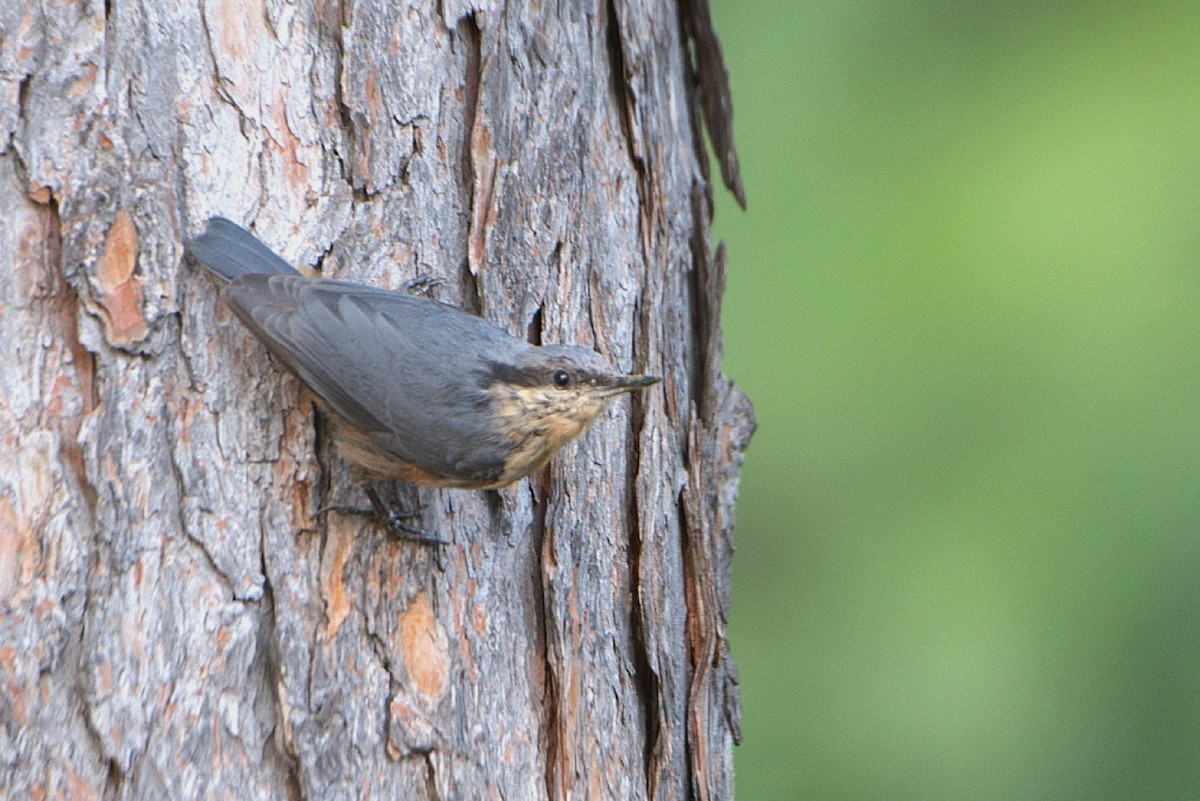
pixel 966 302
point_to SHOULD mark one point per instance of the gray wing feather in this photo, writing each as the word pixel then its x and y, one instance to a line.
pixel 406 370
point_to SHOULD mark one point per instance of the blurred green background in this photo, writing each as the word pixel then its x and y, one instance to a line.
pixel 965 300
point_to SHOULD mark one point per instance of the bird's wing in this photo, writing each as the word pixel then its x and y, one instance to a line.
pixel 403 369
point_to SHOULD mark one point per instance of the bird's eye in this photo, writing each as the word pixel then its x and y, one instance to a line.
pixel 561 378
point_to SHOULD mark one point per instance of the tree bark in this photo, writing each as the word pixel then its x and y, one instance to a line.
pixel 175 619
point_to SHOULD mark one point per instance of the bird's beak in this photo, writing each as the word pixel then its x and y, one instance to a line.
pixel 616 384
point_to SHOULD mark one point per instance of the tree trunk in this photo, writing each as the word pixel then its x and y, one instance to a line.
pixel 176 621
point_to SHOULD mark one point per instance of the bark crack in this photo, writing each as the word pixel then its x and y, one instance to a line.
pixel 280 740
pixel 697 576
pixel 647 681
pixel 66 309
pixel 431 778
pixel 23 96
pixel 623 96
pixel 551 729
pixel 704 361
pixel 348 158
pixel 113 780
pixel 478 174
pixel 168 414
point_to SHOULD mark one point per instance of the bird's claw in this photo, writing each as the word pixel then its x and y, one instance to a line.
pixel 389 518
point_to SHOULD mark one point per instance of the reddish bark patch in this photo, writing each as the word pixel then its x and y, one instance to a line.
pixel 120 290
pixel 426 650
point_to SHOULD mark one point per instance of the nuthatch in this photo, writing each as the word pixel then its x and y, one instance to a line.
pixel 417 390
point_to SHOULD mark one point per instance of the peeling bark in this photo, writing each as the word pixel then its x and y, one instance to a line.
pixel 175 619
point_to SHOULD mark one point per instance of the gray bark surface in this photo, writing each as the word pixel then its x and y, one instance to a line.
pixel 175 619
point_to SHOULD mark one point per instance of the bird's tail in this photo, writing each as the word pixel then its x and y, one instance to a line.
pixel 230 251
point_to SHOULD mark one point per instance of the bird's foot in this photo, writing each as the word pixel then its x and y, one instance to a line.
pixel 389 518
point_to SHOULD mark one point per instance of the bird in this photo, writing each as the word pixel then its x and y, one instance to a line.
pixel 417 390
